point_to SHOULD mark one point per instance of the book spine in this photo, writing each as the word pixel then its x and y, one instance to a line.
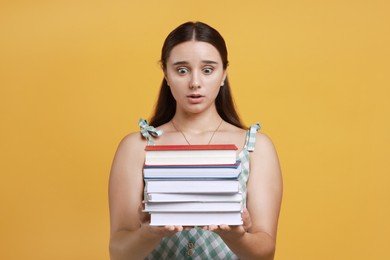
pixel 193 207
pixel 192 197
pixel 191 147
pixel 195 219
pixel 188 161
pixel 177 186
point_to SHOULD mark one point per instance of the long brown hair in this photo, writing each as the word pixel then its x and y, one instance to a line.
pixel 166 104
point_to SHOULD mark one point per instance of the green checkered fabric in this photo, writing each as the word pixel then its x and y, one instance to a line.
pixel 201 244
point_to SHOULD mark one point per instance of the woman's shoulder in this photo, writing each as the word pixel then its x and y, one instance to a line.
pixel 132 141
pixel 264 145
pixel 128 157
pixel 133 137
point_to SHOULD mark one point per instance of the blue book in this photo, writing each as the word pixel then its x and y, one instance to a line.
pixel 221 171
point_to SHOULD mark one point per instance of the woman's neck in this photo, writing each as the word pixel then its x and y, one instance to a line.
pixel 196 123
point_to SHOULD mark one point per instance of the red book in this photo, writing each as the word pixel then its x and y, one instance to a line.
pixel 190 147
pixel 190 154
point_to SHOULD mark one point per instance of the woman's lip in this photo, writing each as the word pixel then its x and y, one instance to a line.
pixel 195 99
pixel 194 96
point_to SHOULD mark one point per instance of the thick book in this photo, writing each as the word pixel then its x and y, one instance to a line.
pixel 193 207
pixel 195 219
pixel 190 154
pixel 192 186
pixel 228 171
pixel 193 197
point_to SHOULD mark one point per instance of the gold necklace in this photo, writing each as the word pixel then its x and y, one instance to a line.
pixel 211 138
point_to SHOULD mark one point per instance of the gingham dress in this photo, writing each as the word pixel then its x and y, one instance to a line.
pixel 197 243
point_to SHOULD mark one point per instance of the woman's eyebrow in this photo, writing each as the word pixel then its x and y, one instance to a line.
pixel 186 62
pixel 209 62
pixel 181 63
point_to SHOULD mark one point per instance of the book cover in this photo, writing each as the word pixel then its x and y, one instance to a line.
pixel 176 166
pixel 193 171
pixel 192 186
pixel 186 147
pixel 195 219
pixel 193 206
pixel 193 197
pixel 190 154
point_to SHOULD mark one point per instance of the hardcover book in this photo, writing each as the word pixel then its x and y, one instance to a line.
pixel 193 197
pixel 193 186
pixel 193 207
pixel 227 171
pixel 190 154
pixel 195 219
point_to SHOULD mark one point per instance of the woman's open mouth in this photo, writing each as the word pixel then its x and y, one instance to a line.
pixel 195 98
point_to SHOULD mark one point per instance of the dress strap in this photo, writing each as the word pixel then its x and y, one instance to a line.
pixel 148 131
pixel 251 137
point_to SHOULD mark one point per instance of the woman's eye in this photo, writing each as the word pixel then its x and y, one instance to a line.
pixel 208 70
pixel 182 70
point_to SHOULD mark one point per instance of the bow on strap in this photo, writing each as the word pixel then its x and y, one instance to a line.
pixel 148 131
pixel 256 127
pixel 251 137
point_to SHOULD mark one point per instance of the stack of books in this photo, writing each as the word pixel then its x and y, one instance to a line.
pixel 192 185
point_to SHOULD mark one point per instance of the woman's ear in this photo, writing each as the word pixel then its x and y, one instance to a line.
pixel 166 78
pixel 224 78
pixel 165 72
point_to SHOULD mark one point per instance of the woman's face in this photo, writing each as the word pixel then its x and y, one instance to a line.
pixel 194 73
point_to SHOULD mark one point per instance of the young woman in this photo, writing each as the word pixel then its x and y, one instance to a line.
pixel 195 106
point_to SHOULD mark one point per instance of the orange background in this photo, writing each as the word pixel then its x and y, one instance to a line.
pixel 75 76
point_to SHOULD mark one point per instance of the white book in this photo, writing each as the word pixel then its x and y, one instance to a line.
pixel 192 186
pixel 193 207
pixel 193 197
pixel 195 219
pixel 190 154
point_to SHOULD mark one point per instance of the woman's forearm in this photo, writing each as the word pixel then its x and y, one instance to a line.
pixel 135 244
pixel 259 246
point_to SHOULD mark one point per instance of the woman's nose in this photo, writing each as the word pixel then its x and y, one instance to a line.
pixel 195 81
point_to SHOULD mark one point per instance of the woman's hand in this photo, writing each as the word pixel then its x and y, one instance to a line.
pixel 232 232
pixel 157 231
